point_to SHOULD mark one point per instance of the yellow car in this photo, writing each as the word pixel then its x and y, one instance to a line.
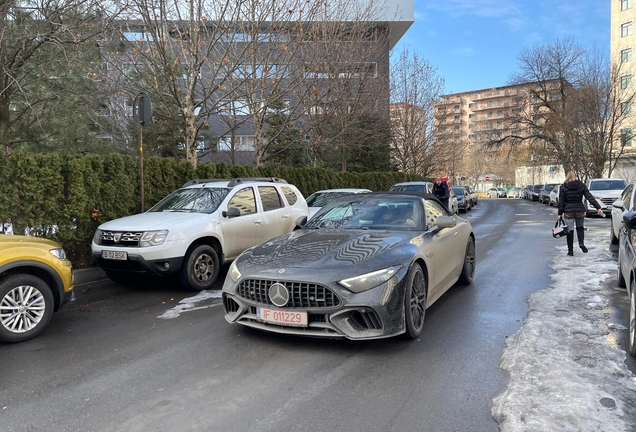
pixel 36 279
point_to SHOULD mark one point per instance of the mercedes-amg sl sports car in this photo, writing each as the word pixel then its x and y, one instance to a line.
pixel 365 266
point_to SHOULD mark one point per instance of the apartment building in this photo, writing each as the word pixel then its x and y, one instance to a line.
pixel 622 46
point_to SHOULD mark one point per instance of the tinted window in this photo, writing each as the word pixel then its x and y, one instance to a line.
pixel 270 198
pixel 608 185
pixel 411 188
pixel 290 195
pixel 626 196
pixel 458 190
pixel 319 199
pixel 376 213
pixel 197 200
pixel 433 210
pixel 244 201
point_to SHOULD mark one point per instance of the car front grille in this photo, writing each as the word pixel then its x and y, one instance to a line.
pixel 116 238
pixel 608 201
pixel 301 294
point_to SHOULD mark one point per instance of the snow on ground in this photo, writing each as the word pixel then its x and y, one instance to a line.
pixel 190 304
pixel 567 372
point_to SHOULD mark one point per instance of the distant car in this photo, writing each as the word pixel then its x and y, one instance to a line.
pixel 544 194
pixel 473 194
pixel 318 199
pixel 366 266
pixel 36 279
pixel 196 229
pixel 606 191
pixel 554 195
pixel 534 191
pixel 525 194
pixel 497 192
pixel 514 192
pixel 627 272
pixel 464 203
pixel 625 203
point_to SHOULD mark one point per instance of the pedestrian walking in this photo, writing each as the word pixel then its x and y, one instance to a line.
pixel 441 191
pixel 572 210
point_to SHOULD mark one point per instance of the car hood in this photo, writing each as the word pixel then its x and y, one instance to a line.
pixel 607 193
pixel 152 221
pixel 332 249
pixel 9 240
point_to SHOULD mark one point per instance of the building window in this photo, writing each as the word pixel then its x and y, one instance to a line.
pixel 489 104
pixel 626 55
pixel 626 29
pixel 626 108
pixel 456 117
pixel 241 143
pixel 470 116
pixel 626 4
pixel 137 36
pixel 473 105
pixel 626 81
pixel 626 137
pixel 238 107
pixel 489 114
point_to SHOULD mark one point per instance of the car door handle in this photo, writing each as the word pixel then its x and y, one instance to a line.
pixel 454 234
pixel 257 222
pixel 285 216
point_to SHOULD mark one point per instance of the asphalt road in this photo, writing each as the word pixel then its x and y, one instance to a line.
pixel 107 362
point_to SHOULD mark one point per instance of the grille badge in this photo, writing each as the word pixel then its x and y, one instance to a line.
pixel 278 294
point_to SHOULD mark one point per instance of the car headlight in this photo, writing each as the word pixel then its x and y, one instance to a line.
pixel 97 235
pixel 369 280
pixel 234 272
pixel 153 238
pixel 59 253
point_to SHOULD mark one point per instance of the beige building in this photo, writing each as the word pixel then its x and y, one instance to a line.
pixel 622 46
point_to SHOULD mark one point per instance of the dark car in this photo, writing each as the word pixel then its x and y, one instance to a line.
pixel 544 194
pixel 472 195
pixel 365 266
pixel 627 271
pixel 464 202
pixel 534 192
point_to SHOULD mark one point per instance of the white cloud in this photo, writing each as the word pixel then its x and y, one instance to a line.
pixel 464 51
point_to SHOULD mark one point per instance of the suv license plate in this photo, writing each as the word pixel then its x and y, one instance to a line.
pixel 115 255
pixel 290 318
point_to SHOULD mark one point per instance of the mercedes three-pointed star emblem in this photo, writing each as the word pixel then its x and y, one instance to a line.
pixel 278 294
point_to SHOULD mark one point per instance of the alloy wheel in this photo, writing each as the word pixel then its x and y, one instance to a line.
pixel 22 309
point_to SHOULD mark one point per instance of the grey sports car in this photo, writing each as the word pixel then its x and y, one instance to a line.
pixel 365 266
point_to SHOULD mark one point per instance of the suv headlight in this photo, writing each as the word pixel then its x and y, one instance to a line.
pixel 59 253
pixel 153 238
pixel 97 235
pixel 369 280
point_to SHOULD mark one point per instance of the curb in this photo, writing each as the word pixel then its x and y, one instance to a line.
pixel 88 275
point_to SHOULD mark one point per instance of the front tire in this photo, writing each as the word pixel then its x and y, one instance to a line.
pixel 613 238
pixel 200 268
pixel 468 270
pixel 26 307
pixel 414 302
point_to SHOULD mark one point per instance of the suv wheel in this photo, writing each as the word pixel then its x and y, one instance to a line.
pixel 26 307
pixel 200 268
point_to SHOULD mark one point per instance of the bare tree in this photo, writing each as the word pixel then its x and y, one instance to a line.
pixel 573 111
pixel 415 87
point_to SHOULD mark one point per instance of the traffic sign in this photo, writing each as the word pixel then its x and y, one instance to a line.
pixel 487 178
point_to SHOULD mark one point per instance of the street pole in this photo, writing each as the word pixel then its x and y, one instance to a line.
pixel 140 122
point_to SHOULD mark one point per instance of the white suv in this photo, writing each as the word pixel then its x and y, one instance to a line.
pixel 606 191
pixel 197 228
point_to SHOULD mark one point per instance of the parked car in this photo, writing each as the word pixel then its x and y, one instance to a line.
pixel 464 202
pixel 625 203
pixel 197 228
pixel 497 192
pixel 414 186
pixel 365 266
pixel 544 193
pixel 514 192
pixel 472 194
pixel 318 199
pixel 36 279
pixel 606 191
pixel 534 191
pixel 527 192
pixel 554 195
pixel 627 271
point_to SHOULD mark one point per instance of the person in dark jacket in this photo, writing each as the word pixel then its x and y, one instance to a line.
pixel 441 191
pixel 572 209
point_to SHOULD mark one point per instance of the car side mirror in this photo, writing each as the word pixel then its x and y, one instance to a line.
pixel 232 212
pixel 446 222
pixel 619 204
pixel 301 221
pixel 629 219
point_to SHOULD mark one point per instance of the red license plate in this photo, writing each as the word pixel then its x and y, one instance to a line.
pixel 290 318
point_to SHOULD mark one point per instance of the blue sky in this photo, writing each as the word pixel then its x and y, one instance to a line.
pixel 474 43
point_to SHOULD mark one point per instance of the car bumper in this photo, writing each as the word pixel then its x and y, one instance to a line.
pixel 137 264
pixel 373 314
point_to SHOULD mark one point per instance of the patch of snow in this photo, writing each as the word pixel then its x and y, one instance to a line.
pixel 567 371
pixel 191 303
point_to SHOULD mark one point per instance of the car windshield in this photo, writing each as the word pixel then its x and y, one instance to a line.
pixel 458 190
pixel 376 213
pixel 195 200
pixel 537 188
pixel 319 199
pixel 608 185
pixel 549 187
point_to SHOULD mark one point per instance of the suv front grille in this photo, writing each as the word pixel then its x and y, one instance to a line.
pixel 608 201
pixel 301 294
pixel 116 238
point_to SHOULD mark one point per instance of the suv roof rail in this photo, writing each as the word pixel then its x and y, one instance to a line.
pixel 202 181
pixel 240 180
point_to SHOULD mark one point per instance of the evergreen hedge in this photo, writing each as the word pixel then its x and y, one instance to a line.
pixel 66 197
